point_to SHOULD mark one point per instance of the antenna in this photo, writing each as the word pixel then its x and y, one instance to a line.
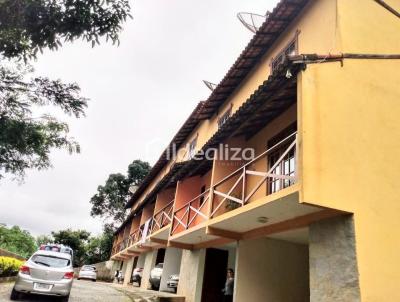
pixel 210 85
pixel 252 21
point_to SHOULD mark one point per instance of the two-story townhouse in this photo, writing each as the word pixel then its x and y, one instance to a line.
pixel 308 209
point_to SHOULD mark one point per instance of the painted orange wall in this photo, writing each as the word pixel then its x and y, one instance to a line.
pixel 164 198
pixel 135 223
pixel 147 213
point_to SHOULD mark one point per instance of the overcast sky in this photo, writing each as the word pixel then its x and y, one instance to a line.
pixel 140 94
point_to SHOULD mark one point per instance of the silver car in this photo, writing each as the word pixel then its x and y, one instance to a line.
pixel 88 272
pixel 45 273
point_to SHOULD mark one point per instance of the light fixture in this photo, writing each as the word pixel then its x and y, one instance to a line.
pixel 262 219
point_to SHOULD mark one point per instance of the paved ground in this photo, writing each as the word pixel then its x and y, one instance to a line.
pixel 82 291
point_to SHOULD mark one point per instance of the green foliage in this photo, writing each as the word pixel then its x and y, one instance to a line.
pixel 28 26
pixel 26 140
pixel 9 266
pixel 110 200
pixel 17 241
pixel 43 239
pixel 99 248
pixel 77 240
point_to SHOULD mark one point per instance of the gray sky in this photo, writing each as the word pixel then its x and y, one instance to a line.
pixel 141 93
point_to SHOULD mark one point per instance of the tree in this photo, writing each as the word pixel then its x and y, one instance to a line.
pixel 110 200
pixel 99 248
pixel 28 26
pixel 43 239
pixel 17 241
pixel 25 139
pixel 76 240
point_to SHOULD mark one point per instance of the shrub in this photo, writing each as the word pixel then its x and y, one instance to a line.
pixel 9 266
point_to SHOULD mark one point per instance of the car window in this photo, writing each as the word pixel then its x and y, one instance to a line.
pixel 50 261
pixel 160 265
pixel 88 268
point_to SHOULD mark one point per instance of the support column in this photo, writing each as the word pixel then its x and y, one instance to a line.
pixel 172 266
pixel 333 261
pixel 191 275
pixel 149 263
pixel 128 271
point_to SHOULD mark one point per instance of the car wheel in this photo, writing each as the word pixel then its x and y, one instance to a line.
pixel 79 278
pixel 94 280
pixel 15 295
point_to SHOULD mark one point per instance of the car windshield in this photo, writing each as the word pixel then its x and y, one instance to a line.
pixel 50 261
pixel 88 268
pixel 160 265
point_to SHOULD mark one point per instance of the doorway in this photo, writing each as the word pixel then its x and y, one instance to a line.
pixel 216 264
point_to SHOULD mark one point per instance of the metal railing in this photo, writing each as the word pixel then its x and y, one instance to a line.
pixel 281 162
pixel 162 218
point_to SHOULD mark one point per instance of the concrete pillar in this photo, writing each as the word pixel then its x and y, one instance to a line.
pixel 191 275
pixel 172 265
pixel 271 270
pixel 149 263
pixel 141 259
pixel 128 271
pixel 333 261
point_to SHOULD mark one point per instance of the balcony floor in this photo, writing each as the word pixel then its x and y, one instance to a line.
pixel 278 207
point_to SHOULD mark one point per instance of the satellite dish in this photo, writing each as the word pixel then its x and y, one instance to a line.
pixel 252 21
pixel 210 85
pixel 133 188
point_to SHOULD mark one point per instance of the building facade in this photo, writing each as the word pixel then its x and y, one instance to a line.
pixel 288 172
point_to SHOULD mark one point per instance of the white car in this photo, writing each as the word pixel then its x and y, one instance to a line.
pixel 88 272
pixel 45 273
pixel 155 276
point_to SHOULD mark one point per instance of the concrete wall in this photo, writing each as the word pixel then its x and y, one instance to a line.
pixel 172 265
pixel 191 275
pixel 333 261
pixel 271 271
pixel 149 263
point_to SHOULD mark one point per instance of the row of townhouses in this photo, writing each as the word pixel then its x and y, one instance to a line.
pixel 288 173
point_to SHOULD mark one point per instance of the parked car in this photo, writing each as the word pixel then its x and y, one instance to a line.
pixel 137 275
pixel 45 273
pixel 88 272
pixel 172 282
pixel 155 276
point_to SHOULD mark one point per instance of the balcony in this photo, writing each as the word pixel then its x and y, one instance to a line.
pixel 262 191
pixel 160 223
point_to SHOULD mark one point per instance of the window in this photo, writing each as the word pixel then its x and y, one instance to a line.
pixel 290 49
pixel 224 117
pixel 287 165
pixel 50 261
pixel 192 148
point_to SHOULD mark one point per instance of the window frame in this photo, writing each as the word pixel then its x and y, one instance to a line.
pixel 224 116
pixel 280 57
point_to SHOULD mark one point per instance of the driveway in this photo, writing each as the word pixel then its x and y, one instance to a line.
pixel 82 291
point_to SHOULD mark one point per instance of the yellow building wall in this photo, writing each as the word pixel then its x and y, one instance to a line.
pixel 316 28
pixel 350 130
pixel 367 27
